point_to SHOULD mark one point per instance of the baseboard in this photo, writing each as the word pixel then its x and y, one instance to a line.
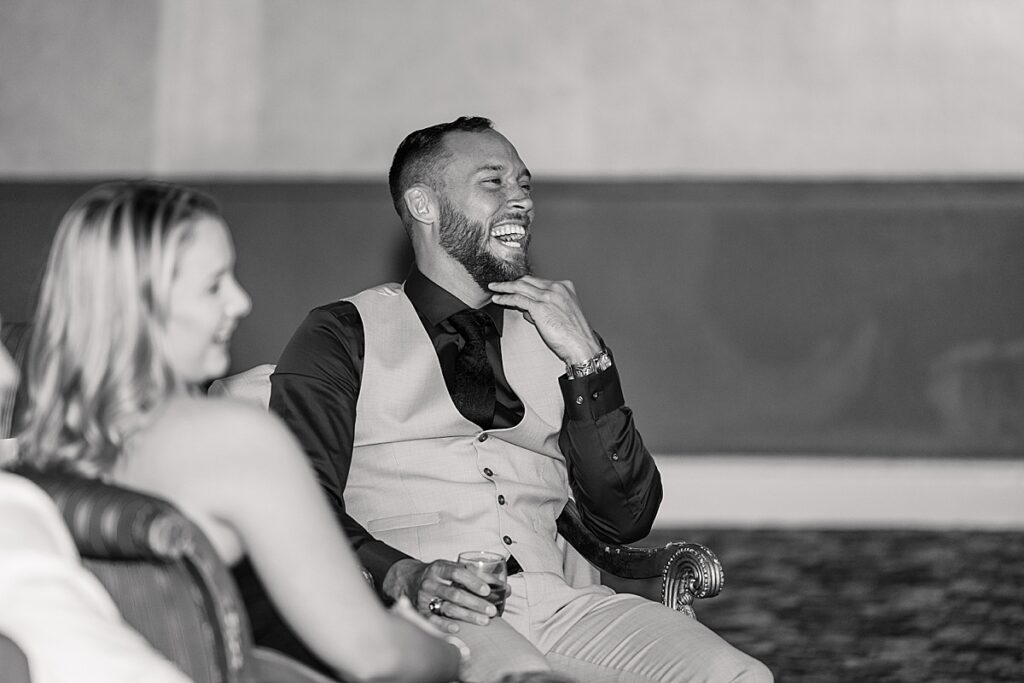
pixel 840 492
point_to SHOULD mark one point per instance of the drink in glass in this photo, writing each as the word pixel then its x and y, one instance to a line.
pixel 491 568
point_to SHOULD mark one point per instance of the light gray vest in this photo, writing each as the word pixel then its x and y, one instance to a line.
pixel 426 480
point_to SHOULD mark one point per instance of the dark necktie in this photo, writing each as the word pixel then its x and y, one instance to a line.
pixel 473 388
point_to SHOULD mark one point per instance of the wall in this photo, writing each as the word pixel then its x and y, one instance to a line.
pixel 797 315
pixel 584 87
pixel 916 285
pixel 810 317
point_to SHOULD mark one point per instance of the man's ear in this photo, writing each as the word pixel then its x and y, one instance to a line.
pixel 421 204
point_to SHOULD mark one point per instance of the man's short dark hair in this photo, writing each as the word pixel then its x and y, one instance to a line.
pixel 419 158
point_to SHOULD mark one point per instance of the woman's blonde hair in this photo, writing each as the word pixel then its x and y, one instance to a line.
pixel 96 364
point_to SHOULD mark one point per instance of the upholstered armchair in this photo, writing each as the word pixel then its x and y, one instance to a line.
pixel 167 581
pixel 675 574
pixel 14 336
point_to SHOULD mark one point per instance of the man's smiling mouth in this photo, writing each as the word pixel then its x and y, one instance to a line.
pixel 509 234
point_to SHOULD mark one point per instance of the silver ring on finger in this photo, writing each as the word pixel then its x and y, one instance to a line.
pixel 434 606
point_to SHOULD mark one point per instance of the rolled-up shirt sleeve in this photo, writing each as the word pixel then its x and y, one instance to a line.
pixel 314 390
pixel 614 480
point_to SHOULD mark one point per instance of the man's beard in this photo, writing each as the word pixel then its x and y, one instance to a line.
pixel 466 242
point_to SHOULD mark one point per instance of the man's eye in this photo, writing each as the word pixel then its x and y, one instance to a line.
pixel 497 181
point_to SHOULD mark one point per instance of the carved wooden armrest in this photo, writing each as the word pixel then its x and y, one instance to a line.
pixel 675 574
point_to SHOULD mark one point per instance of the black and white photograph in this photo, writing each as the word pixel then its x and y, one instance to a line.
pixel 534 341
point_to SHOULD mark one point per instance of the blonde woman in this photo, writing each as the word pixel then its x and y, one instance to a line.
pixel 137 307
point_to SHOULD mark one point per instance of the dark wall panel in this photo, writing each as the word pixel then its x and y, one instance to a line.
pixel 838 317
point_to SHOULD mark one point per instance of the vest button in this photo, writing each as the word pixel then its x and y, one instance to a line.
pixel 482 438
pixel 507 540
pixel 488 472
pixel 501 500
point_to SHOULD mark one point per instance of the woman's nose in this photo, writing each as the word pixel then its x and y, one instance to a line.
pixel 240 303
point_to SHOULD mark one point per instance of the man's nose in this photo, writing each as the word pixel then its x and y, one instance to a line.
pixel 520 199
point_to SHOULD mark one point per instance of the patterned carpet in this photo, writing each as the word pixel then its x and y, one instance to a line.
pixel 870 605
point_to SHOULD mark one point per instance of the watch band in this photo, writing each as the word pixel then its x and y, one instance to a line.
pixel 598 363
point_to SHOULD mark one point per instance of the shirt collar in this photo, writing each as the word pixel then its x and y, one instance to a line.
pixel 435 303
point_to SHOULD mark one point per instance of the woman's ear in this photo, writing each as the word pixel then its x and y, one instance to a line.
pixel 421 204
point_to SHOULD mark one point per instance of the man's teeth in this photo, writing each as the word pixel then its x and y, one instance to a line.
pixel 511 234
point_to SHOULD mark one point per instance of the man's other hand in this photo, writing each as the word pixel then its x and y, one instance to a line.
pixel 553 307
pixel 460 592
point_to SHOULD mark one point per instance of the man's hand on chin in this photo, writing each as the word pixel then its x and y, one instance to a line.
pixel 442 591
pixel 552 306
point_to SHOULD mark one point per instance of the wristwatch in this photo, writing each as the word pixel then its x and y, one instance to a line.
pixel 598 363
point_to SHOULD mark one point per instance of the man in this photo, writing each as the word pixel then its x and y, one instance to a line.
pixel 457 411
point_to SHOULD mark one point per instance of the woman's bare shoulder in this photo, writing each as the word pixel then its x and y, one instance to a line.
pixel 216 457
pixel 223 425
pixel 213 410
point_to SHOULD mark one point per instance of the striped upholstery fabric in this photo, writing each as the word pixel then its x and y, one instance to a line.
pixel 162 573
pixel 15 337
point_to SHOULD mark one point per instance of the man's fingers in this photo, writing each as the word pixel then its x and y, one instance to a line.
pixel 456 604
pixel 520 288
pixel 561 293
pixel 457 596
pixel 438 570
pixel 533 287
pixel 462 614
pixel 547 285
pixel 454 590
pixel 470 581
pixel 446 625
pixel 537 282
pixel 523 303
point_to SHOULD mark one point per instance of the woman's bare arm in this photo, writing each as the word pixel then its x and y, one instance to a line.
pixel 243 469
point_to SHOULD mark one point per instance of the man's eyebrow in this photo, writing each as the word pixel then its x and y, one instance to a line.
pixel 501 167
